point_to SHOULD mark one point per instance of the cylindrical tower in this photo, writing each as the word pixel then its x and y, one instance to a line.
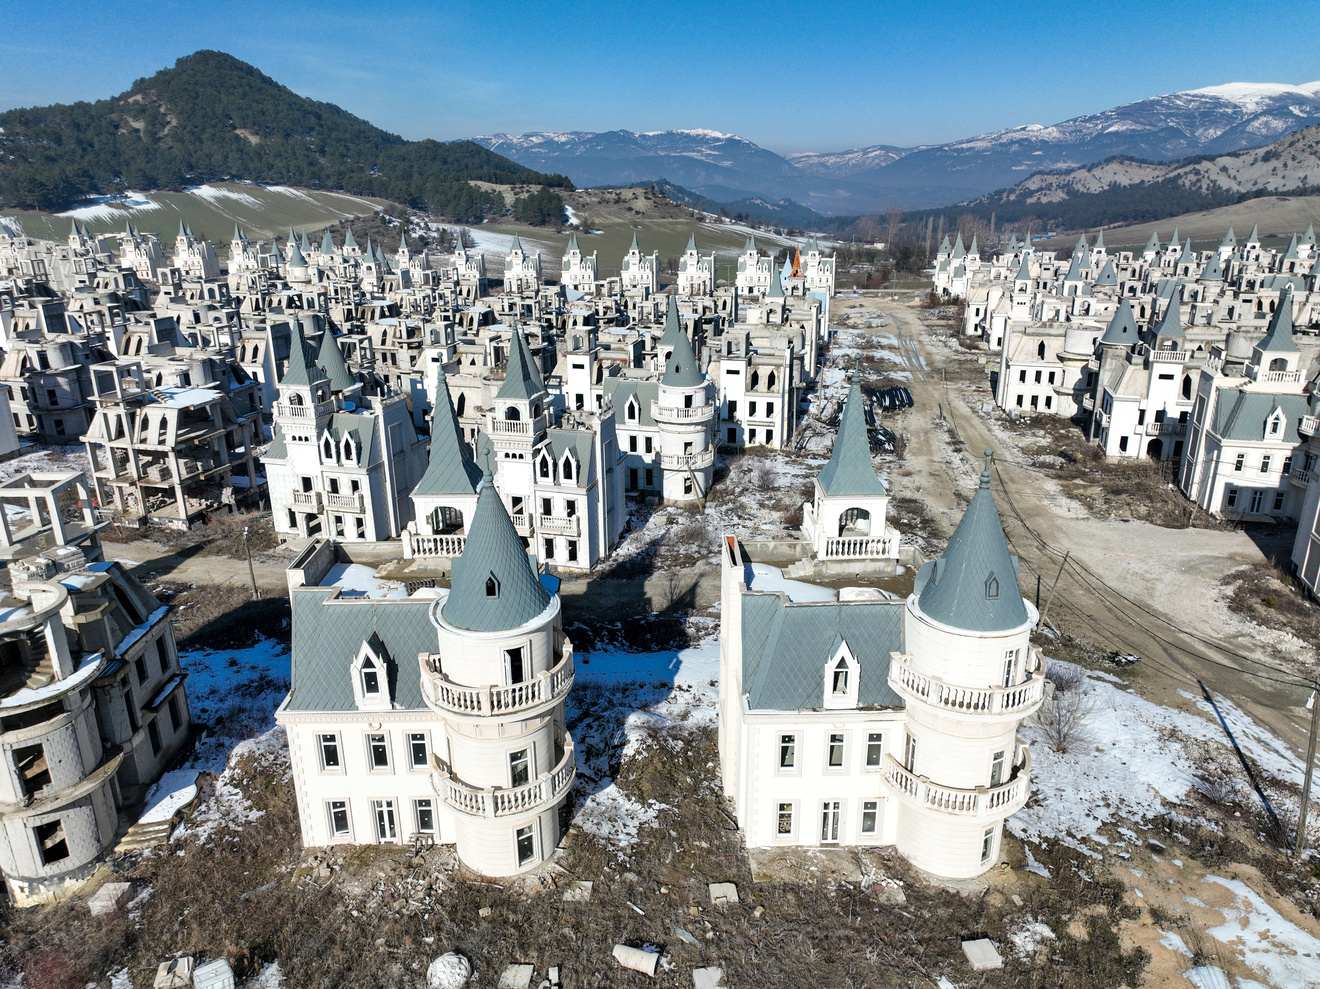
pixel 968 678
pixel 499 679
pixel 685 415
pixel 57 787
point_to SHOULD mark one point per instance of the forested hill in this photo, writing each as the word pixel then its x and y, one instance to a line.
pixel 214 117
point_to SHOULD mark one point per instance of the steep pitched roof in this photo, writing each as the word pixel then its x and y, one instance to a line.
pixel 1100 242
pixel 776 290
pixel 1154 243
pixel 849 471
pixel 1082 246
pixel 1213 270
pixel 749 244
pixel 1309 236
pixel 304 243
pixel 451 469
pixel 1075 267
pixel 348 238
pixel 975 584
pixel 1107 274
pixel 681 369
pixel 692 242
pixel 1024 269
pixel 296 259
pixel 328 634
pixel 493 586
pixel 1122 328
pixel 516 245
pixel 327 243
pixel 1254 237
pixel 975 250
pixel 572 242
pixel 301 369
pixel 634 246
pixel 786 645
pixel 1230 239
pixel 1243 416
pixel 1170 324
pixel 325 351
pixel 958 250
pixel 1291 253
pixel 944 245
pixel 673 325
pixel 522 378
pixel 1279 337
pixel 1188 255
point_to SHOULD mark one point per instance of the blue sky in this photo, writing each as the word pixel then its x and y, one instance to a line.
pixel 802 76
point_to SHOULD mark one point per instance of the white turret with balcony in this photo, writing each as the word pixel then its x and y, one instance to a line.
pixel 446 496
pixel 684 412
pixel 846 521
pixel 968 678
pixel 499 679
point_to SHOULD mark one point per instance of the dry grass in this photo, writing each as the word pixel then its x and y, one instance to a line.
pixel 1269 597
pixel 221 535
pixel 212 617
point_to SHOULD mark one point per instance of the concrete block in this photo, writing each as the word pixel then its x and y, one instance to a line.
pixel 723 893
pixel 213 975
pixel 516 977
pixel 109 898
pixel 711 977
pixel 636 959
pixel 982 955
pixel 174 974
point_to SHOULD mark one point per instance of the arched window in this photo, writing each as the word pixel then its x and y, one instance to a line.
pixel 348 448
pixel 1279 364
pixel 295 399
pixel 568 469
pixel 162 430
pixel 462 404
pixel 632 410
pixel 329 449
pixel 545 467
pixel 840 678
pixel 511 414
pixel 770 380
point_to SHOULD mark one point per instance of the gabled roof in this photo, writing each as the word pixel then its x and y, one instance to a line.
pixel 786 645
pixel 522 378
pixel 493 586
pixel 974 585
pixel 451 469
pixel 1170 324
pixel 681 369
pixel 1279 337
pixel 620 390
pixel 1122 328
pixel 849 471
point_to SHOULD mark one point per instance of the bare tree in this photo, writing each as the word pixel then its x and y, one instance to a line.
pixel 1064 721
pixel 893 220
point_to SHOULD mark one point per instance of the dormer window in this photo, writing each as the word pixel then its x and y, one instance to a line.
pixel 492 587
pixel 348 448
pixel 371 687
pixel 545 467
pixel 841 678
pixel 992 588
pixel 632 410
pixel 567 470
pixel 329 449
pixel 370 679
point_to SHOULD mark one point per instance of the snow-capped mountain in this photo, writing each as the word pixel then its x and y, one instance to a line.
pixel 1214 120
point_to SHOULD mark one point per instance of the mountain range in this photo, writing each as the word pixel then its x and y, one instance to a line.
pixel 723 167
pixel 214 117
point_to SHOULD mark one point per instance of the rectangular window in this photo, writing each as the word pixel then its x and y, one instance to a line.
pixel 1022 377
pixel 50 841
pixel 570 507
pixel 1278 501
pixel 1123 443
pixel 784 815
pixel 831 811
pixel 378 751
pixel 519 768
pixel 549 548
pixel 1010 665
pixel 910 757
pixel 525 839
pixel 870 811
pixel 997 769
pixel 1230 498
pixel 632 444
pixel 1051 377
pixel 1240 462
pixel 173 707
pixel 163 654
pixel 836 751
pixel 1287 465
pixel 1265 464
pixel 1037 377
pixel 329 751
pixel 33 770
pixel 572 551
pixel 650 475
pixel 424 815
pixel 787 751
pixel 338 810
pixel 875 743
pixel 417 749
pixel 1141 417
pixel 140 665
pixel 733 405
pixel 387 828
pixel 987 844
pixel 547 506
pixel 153 732
pixel 751 409
pixel 649 446
pixel 1257 501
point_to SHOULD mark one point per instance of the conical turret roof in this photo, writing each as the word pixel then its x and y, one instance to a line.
pixel 327 243
pixel 750 244
pixel 975 250
pixel 1082 247
pixel 1308 237
pixel 522 378
pixel 1170 324
pixel 958 250
pixel 944 245
pixel 634 246
pixel 974 585
pixel 849 471
pixel 1122 329
pixel 304 243
pixel 1107 274
pixel 572 242
pixel 1024 269
pixel 673 325
pixel 1100 242
pixel 681 369
pixel 1213 270
pixel 1230 239
pixel 302 370
pixel 1254 237
pixel 692 242
pixel 776 290
pixel 516 245
pixel 1279 337
pixel 451 469
pixel 348 238
pixel 1291 253
pixel 493 586
pixel 1154 243
pixel 330 359
pixel 296 259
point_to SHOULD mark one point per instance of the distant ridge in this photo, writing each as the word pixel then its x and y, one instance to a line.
pixel 213 117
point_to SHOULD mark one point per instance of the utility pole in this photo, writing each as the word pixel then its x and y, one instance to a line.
pixel 1314 704
pixel 1054 587
pixel 247 548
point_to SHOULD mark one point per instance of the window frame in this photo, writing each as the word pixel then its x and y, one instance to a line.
pixel 874 740
pixel 372 766
pixel 330 808
pixel 424 739
pixel 839 747
pixel 337 743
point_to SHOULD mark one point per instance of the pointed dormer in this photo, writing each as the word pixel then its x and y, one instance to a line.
pixel 974 585
pixel 1122 329
pixel 1277 351
pixel 446 496
pixel 494 587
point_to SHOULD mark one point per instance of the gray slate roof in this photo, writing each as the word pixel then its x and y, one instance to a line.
pixel 1107 274
pixel 451 469
pixel 975 584
pixel 301 370
pixel 331 360
pixel 849 471
pixel 619 390
pixel 328 634
pixel 493 551
pixel 522 379
pixel 1170 324
pixel 785 648
pixel 1243 417
pixel 681 369
pixel 1279 337
pixel 673 325
pixel 1122 329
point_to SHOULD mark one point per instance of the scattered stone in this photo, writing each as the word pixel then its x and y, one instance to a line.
pixel 174 974
pixel 516 977
pixel 711 977
pixel 449 971
pixel 215 974
pixel 721 893
pixel 694 911
pixel 759 912
pixel 1017 901
pixel 637 959
pixel 982 955
pixel 888 895
pixel 109 898
pixel 579 891
pixel 685 936
pixel 484 912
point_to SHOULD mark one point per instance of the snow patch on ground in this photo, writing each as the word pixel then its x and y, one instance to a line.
pixel 113 208
pixel 1029 936
pixel 227 811
pixel 1271 945
pixel 212 193
pixel 234 692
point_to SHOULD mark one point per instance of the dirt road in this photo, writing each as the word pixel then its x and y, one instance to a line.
pixel 1129 586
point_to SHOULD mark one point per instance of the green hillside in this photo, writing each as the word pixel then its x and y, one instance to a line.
pixel 212 117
